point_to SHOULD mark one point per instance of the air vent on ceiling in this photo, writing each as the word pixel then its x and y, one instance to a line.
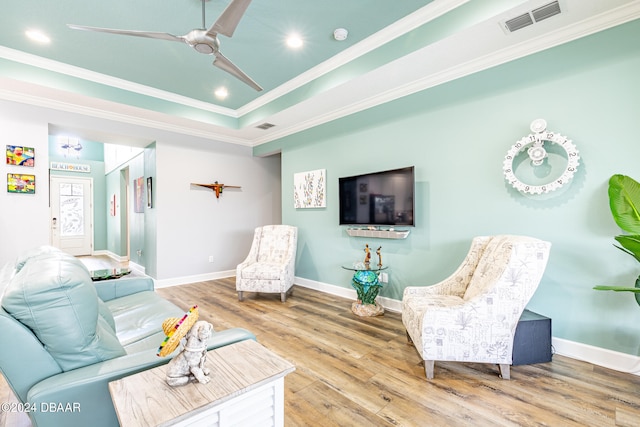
pixel 265 126
pixel 546 11
pixel 519 22
pixel 536 15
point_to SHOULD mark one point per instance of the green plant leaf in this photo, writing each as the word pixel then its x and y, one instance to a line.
pixel 631 243
pixel 624 201
pixel 616 288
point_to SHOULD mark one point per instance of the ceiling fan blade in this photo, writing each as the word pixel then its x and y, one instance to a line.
pixel 224 64
pixel 148 34
pixel 228 21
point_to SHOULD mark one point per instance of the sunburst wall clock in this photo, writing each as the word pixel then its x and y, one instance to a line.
pixel 540 162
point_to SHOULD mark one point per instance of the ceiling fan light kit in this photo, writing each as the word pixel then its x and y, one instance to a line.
pixel 203 40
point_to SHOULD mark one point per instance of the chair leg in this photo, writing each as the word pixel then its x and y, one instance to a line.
pixel 284 295
pixel 428 368
pixel 239 295
pixel 505 371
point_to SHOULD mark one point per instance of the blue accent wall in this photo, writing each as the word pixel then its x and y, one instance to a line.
pixel 456 135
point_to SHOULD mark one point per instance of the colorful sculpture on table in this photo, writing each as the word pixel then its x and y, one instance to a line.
pixel 192 335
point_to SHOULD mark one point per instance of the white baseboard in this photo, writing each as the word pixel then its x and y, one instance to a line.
pixel 595 355
pixel 175 281
pixel 115 257
pixel 598 356
pixel 136 268
pixel 388 303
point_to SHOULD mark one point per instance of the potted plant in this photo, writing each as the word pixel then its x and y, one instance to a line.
pixel 624 201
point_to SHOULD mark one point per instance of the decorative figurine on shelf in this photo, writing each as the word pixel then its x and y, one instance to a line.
pixel 189 364
pixel 379 253
pixel 367 257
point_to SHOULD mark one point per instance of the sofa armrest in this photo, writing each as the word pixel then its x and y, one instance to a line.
pixel 117 288
pixel 84 392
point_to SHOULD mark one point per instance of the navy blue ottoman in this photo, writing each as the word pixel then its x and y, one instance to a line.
pixel 532 341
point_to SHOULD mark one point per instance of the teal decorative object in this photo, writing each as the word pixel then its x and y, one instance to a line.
pixel 366 285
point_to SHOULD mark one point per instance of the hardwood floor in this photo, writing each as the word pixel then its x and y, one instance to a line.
pixel 353 371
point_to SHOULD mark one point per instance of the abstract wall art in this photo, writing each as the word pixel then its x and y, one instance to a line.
pixel 309 189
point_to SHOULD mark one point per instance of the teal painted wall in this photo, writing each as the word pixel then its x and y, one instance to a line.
pixel 456 135
pixel 150 245
pixel 137 219
pixel 92 154
pixel 114 222
pixel 117 182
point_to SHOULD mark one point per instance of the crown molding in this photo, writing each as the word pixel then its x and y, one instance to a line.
pixel 427 13
pixel 114 82
pixel 405 25
pixel 79 104
pixel 115 112
pixel 608 19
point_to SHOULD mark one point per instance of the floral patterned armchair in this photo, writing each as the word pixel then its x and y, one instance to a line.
pixel 472 315
pixel 270 265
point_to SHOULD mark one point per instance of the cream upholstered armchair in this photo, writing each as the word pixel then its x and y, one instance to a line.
pixel 472 315
pixel 270 265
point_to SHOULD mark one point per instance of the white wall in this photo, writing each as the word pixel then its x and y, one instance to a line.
pixel 24 218
pixel 192 223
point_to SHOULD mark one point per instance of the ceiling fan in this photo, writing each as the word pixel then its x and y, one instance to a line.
pixel 202 40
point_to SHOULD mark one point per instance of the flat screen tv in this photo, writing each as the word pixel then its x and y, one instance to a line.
pixel 383 198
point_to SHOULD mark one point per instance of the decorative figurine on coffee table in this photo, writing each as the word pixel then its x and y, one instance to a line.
pixel 189 364
pixel 379 253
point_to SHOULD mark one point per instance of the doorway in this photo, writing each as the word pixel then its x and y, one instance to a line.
pixel 72 214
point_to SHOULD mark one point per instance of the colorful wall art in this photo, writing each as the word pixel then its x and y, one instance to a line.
pixel 20 156
pixel 309 189
pixel 138 194
pixel 21 183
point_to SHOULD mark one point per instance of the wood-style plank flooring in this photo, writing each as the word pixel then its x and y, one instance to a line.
pixel 353 371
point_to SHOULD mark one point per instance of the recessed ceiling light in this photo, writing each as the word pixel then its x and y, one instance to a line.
pixel 294 41
pixel 38 36
pixel 221 92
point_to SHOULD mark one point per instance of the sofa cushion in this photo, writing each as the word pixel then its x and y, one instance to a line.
pixel 31 253
pixel 53 295
pixel 139 316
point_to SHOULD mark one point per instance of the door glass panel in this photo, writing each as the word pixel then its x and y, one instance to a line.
pixel 71 210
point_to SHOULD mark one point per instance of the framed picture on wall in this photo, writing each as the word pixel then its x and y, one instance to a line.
pixel 21 183
pixel 138 194
pixel 20 156
pixel 112 207
pixel 309 189
pixel 149 193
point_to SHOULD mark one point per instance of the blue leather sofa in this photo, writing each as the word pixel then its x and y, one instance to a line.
pixel 65 337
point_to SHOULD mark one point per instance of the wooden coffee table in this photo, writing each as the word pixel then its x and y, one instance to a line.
pixel 246 388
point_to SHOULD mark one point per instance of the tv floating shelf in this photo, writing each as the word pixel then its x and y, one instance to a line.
pixel 380 234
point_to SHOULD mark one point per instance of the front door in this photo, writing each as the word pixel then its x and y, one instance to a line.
pixel 72 214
